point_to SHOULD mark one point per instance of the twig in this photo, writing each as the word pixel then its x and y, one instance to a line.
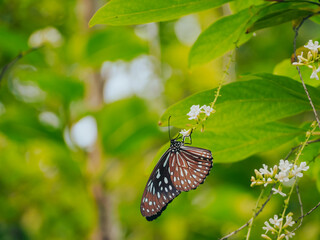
pixel 301 207
pixel 294 148
pixel 286 202
pixel 310 211
pixel 296 30
pixel 251 219
pixel 16 59
pixel 255 209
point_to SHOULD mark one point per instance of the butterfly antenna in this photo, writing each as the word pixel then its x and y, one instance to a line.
pixel 169 127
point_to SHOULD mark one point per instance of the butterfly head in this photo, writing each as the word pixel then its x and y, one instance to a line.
pixel 175 145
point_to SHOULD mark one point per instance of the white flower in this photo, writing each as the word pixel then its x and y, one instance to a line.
pixel 194 112
pixel 281 236
pixel 282 176
pixel 301 59
pixel 314 73
pixel 269 180
pixel 207 109
pixel 275 221
pixel 303 166
pixel 313 46
pixel 265 170
pixel 290 235
pixel 185 133
pixel 265 237
pixel 268 227
pixel 285 165
pixel 275 191
pixel 296 171
pixel 289 221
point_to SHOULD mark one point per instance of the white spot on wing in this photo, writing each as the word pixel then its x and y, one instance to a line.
pixel 165 162
pixel 165 180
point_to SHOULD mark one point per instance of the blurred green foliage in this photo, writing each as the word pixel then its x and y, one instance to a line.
pixel 53 187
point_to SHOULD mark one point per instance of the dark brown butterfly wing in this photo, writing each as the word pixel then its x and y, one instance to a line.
pixel 190 167
pixel 159 191
pixel 181 168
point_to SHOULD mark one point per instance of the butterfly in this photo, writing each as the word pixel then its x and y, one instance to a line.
pixel 180 169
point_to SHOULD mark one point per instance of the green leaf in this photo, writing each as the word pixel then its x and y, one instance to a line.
pixel 278 18
pixel 231 31
pixel 281 12
pixel 310 152
pixel 316 172
pixel 285 68
pixel 113 44
pixel 239 5
pixel 222 36
pixel 266 98
pixel 316 19
pixel 238 144
pixel 123 12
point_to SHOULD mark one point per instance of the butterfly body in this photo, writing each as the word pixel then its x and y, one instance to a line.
pixel 180 169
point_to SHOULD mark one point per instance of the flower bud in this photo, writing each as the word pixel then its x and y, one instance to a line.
pixel 265 236
pixel 258 174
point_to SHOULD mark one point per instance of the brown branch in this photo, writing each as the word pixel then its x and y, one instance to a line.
pixel 301 207
pixel 16 59
pixel 310 211
pixel 296 30
pixel 294 148
pixel 251 219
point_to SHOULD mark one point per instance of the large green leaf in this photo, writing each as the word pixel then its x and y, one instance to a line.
pixel 281 12
pixel 222 36
pixel 238 144
pixel 123 12
pixel 285 68
pixel 232 31
pixel 241 143
pixel 239 5
pixel 266 98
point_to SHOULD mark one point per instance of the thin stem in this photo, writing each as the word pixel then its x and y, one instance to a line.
pixel 296 30
pixel 294 148
pixel 254 212
pixel 286 202
pixel 251 219
pixel 217 94
pixel 301 208
pixel 308 95
pixel 310 211
pixel 16 59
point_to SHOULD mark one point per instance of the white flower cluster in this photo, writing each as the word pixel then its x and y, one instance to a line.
pixel 274 225
pixel 310 59
pixel 282 173
pixel 185 133
pixel 195 111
